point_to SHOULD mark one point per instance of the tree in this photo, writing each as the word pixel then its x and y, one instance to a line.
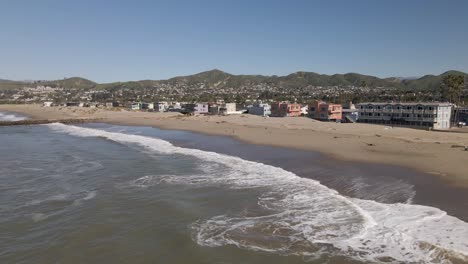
pixel 451 90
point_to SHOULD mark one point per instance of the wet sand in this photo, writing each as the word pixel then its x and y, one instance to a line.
pixel 369 181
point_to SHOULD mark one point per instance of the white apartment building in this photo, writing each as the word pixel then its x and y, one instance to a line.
pixel 430 115
pixel 260 109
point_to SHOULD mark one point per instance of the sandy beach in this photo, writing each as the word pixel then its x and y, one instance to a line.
pixel 437 153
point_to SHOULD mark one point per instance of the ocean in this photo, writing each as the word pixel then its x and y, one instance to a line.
pixel 100 193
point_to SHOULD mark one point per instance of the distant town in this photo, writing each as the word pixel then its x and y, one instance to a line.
pixel 432 102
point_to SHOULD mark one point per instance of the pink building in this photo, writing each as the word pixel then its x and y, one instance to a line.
pixel 285 109
pixel 325 111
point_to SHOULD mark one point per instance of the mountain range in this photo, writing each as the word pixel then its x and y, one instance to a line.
pixel 219 79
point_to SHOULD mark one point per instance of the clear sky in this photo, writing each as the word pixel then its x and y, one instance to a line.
pixel 132 40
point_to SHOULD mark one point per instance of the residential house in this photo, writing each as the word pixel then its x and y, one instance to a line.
pixel 201 108
pixel 161 106
pixel 228 109
pixel 214 109
pixel 324 111
pixel 112 104
pixel 283 109
pixel 188 108
pixel 136 106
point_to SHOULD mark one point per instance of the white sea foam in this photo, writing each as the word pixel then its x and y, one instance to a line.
pixel 307 218
pixel 10 117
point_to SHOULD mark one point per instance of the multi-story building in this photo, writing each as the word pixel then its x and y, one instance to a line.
pixel 430 115
pixel 324 111
pixel 260 109
pixel 285 109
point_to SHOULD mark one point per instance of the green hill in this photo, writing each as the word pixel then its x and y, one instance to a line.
pixel 429 82
pixel 72 83
pixel 218 79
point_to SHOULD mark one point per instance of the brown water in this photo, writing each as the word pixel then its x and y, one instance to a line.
pixel 116 194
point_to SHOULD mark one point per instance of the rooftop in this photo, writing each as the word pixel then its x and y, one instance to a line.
pixel 415 103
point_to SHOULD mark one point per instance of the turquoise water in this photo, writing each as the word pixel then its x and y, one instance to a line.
pixel 111 194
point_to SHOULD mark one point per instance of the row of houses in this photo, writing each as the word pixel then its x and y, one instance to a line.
pixel 196 108
pixel 431 115
pixel 424 115
pixel 318 110
pixel 81 104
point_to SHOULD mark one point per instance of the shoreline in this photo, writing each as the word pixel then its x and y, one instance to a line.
pixel 436 153
pixel 387 184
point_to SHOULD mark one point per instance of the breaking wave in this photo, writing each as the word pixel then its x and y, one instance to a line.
pixel 304 217
pixel 10 117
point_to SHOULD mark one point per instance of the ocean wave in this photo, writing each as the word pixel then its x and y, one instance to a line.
pixel 306 218
pixel 10 117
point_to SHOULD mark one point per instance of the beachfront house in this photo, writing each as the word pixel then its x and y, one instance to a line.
pixel 214 109
pixel 161 106
pixel 229 109
pixel 284 109
pixel 188 108
pixel 321 110
pixel 201 108
pixel 423 115
pixel 136 106
pixel 147 106
pixel 260 109
pixel 112 104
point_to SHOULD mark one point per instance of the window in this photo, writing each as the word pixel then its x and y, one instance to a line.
pixel 312 109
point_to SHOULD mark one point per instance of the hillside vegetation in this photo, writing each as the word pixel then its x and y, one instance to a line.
pixel 219 79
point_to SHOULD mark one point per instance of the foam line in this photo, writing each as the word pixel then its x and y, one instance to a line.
pixel 306 217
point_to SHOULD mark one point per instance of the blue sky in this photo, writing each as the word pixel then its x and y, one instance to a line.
pixel 132 40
